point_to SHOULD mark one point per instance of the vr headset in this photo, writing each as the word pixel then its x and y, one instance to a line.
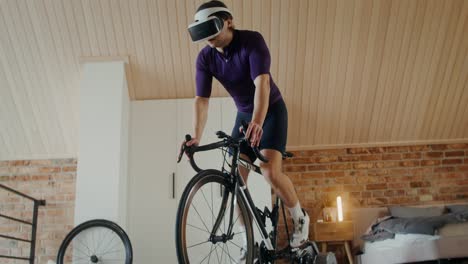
pixel 207 26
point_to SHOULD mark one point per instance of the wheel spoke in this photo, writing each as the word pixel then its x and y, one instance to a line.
pixel 222 253
pixel 217 256
pixel 212 206
pixel 211 209
pixel 109 252
pixel 198 244
pixel 79 259
pixel 102 238
pixel 203 222
pixel 113 246
pixel 209 254
pixel 113 237
pixel 77 248
pixel 89 251
pixel 229 255
pixel 235 244
pixel 199 228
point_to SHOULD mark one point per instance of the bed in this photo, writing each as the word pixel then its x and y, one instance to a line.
pixel 450 241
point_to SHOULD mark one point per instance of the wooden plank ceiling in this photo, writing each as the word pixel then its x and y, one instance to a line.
pixel 351 71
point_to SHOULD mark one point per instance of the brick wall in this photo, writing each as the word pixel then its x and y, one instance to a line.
pixel 379 176
pixel 51 180
pixel 364 177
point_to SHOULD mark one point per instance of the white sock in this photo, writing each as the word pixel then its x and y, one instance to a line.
pixel 296 212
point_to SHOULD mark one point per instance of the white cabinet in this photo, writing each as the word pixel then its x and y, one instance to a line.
pixel 158 127
pixel 152 210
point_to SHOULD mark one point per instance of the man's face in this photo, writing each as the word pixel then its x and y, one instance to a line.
pixel 221 39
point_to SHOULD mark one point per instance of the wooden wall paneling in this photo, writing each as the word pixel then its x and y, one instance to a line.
pixel 382 91
pixel 307 97
pixel 184 42
pixel 323 114
pixel 172 25
pixel 422 65
pixel 358 68
pixel 460 72
pixel 316 71
pixel 293 65
pixel 403 101
pixel 347 89
pixel 372 75
pixel 451 71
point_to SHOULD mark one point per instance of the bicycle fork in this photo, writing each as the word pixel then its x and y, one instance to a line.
pixel 229 234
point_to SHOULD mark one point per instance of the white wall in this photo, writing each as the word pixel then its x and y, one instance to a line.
pixel 103 143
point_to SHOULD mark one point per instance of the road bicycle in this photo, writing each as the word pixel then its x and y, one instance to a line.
pixel 207 227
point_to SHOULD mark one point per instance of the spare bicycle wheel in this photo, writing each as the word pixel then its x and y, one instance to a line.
pixel 96 241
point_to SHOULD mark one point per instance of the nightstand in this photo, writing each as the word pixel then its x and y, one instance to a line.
pixel 335 232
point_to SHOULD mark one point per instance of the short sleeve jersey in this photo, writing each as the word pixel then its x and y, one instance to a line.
pixel 245 58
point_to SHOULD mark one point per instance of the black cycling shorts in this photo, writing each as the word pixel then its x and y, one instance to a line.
pixel 275 129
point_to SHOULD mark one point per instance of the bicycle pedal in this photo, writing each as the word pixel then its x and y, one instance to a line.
pixel 303 246
pixel 305 255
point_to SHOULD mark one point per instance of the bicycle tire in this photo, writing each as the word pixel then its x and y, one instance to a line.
pixel 198 181
pixel 94 224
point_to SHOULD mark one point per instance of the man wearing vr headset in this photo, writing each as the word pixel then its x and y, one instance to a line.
pixel 240 60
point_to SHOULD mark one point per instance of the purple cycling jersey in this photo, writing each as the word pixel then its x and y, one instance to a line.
pixel 245 58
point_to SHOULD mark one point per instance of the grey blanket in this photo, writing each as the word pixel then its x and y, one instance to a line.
pixel 415 225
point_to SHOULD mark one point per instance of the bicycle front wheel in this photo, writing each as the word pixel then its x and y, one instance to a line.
pixel 205 201
pixel 96 241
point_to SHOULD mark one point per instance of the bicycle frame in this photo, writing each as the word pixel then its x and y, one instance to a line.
pixel 239 190
pixel 245 196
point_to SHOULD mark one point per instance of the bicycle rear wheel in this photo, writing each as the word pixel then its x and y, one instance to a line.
pixel 201 203
pixel 96 241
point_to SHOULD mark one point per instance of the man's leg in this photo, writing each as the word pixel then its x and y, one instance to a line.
pixel 245 175
pixel 283 187
pixel 243 171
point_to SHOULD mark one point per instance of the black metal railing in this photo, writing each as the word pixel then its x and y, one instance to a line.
pixel 37 203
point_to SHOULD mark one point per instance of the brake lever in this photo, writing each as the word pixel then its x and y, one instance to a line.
pixel 244 126
pixel 181 152
pixel 259 155
pixel 183 147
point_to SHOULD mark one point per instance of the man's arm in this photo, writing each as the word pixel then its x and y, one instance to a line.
pixel 261 102
pixel 200 116
pixel 203 80
pixel 259 60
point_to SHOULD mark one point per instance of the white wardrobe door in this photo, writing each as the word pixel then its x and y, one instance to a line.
pixel 152 207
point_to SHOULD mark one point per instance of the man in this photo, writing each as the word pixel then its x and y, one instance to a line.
pixel 240 60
